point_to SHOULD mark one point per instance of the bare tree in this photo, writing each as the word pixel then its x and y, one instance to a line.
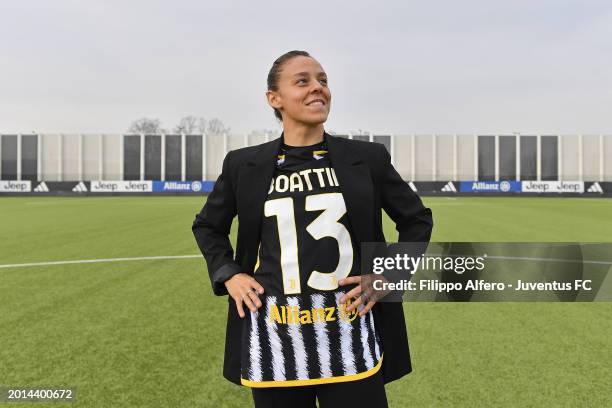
pixel 360 132
pixel 199 125
pixel 271 133
pixel 202 125
pixel 215 126
pixel 147 126
pixel 187 125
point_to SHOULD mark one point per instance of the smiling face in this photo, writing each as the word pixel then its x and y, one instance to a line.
pixel 302 94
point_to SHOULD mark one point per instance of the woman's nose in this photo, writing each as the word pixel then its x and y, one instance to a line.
pixel 317 86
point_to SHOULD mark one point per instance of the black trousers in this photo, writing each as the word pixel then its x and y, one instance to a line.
pixel 367 392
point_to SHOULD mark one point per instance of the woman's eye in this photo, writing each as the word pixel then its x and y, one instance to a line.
pixel 301 81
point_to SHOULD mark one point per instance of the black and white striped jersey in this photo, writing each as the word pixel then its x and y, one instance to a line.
pixel 302 334
pixel 303 340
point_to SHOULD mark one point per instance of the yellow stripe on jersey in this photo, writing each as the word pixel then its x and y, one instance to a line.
pixel 314 381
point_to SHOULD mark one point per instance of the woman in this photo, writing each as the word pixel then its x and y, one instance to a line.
pixel 305 202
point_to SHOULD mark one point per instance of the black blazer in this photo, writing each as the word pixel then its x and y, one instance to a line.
pixel 368 182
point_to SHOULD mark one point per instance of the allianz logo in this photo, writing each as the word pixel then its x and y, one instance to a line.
pixel 485 186
pixel 503 186
pixel 173 185
pixel 183 186
pixel 293 314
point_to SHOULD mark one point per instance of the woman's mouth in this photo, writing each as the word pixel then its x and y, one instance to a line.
pixel 316 102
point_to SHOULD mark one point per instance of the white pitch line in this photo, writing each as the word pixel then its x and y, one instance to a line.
pixel 525 258
pixel 82 261
pixel 153 258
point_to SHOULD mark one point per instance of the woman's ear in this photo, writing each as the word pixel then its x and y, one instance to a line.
pixel 274 99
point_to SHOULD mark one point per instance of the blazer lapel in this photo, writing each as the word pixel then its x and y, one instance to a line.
pixel 356 186
pixel 254 182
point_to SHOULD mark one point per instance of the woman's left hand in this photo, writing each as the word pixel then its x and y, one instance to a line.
pixel 356 292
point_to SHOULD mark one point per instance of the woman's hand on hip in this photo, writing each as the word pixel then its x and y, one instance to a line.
pixel 363 292
pixel 243 287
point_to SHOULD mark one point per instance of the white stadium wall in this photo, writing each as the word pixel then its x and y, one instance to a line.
pixel 465 156
pixel 417 157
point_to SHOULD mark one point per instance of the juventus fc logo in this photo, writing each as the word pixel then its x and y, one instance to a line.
pixel 351 315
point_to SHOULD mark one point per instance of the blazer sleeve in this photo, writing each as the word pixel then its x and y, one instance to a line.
pixel 211 229
pixel 413 221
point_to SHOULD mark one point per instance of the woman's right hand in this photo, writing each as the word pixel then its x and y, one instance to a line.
pixel 244 288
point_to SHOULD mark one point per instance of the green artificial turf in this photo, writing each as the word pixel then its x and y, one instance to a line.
pixel 151 333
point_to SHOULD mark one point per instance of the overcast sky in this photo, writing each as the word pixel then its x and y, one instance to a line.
pixel 395 66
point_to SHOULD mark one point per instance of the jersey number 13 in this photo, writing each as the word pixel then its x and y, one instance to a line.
pixel 325 225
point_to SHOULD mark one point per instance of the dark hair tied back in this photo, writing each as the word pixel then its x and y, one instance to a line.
pixel 274 73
